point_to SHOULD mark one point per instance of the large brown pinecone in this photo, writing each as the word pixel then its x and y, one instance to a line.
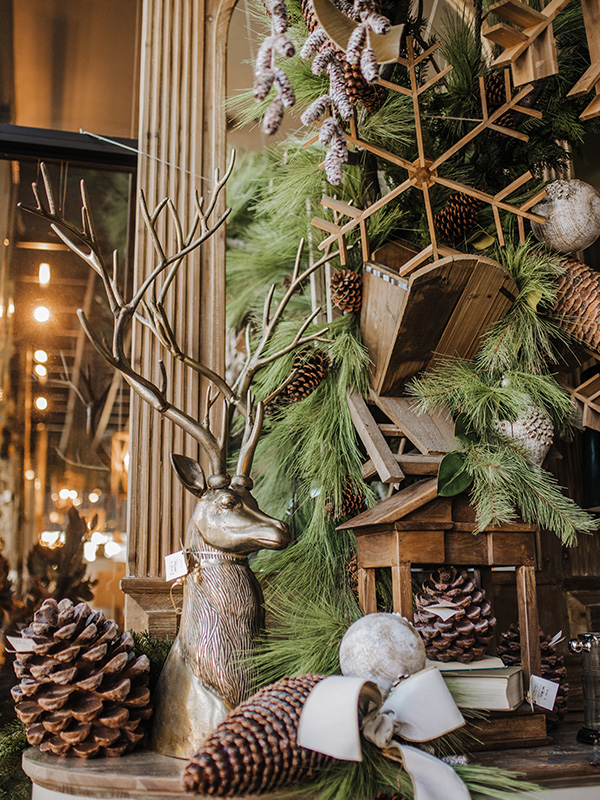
pixel 466 635
pixel 457 217
pixel 358 90
pixel 82 691
pixel 346 290
pixel 311 366
pixel 495 94
pixel 553 666
pixel 255 749
pixel 353 501
pixel 577 307
pixel 352 573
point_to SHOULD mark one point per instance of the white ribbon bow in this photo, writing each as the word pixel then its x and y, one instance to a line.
pixel 420 708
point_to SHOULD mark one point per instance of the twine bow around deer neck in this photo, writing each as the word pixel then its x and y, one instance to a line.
pixel 419 709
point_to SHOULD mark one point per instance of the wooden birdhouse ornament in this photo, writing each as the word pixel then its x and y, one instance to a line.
pixel 416 527
pixel 528 42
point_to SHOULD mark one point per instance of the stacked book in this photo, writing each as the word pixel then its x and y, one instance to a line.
pixel 485 685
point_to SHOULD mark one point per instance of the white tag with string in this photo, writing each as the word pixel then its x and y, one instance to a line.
pixel 444 609
pixel 556 639
pixel 542 692
pixel 175 565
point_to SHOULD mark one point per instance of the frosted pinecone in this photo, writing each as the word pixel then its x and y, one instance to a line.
pixel 533 430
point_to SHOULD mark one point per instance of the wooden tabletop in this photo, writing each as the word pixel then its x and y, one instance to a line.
pixel 563 763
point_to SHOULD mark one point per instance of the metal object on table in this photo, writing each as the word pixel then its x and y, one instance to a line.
pixel 588 644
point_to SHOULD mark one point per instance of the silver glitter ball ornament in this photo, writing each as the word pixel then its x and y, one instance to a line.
pixel 382 648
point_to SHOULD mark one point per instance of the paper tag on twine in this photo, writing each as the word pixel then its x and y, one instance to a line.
pixel 21 645
pixel 542 692
pixel 175 565
pixel 445 609
pixel 556 639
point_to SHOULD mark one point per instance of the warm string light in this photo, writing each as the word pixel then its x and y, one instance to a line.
pixel 44 274
pixel 41 314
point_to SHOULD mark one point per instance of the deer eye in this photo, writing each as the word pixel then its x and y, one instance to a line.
pixel 227 501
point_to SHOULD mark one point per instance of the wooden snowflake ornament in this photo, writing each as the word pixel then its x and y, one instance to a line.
pixel 423 174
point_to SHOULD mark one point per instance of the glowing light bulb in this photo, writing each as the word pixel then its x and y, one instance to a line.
pixel 93 497
pixel 44 274
pixel 41 356
pixel 40 370
pixel 41 314
pixel 73 494
pixel 112 549
pixel 41 403
pixel 29 474
pixel 64 494
pixel 89 551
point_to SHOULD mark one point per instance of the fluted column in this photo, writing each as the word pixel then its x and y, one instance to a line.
pixel 182 129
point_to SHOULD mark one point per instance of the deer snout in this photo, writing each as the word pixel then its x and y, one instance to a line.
pixel 279 536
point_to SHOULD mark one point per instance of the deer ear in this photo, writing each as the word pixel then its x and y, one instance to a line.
pixel 189 473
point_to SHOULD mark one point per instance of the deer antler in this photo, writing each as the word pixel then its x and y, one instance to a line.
pixel 147 306
pixel 84 243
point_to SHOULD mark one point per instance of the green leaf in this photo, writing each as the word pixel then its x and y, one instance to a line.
pixel 482 241
pixel 453 478
pixel 463 430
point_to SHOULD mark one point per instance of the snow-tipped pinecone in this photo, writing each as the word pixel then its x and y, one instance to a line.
pixel 553 666
pixel 533 430
pixel 346 290
pixel 457 217
pixel 357 88
pixel 577 307
pixel 353 501
pixel 311 366
pixel 495 93
pixel 255 750
pixel 82 690
pixel 465 636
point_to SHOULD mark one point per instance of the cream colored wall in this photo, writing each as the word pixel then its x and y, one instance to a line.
pixel 76 65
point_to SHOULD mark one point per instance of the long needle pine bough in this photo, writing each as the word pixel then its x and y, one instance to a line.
pixel 309 452
pixel 508 377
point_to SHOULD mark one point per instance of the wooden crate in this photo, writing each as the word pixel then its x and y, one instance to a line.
pixel 411 315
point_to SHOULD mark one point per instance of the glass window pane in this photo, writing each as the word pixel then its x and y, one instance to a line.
pixel 64 414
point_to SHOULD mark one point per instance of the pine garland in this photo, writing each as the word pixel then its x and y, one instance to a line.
pixel 14 783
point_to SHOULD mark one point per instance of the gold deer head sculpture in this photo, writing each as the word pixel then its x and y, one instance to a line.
pixel 205 675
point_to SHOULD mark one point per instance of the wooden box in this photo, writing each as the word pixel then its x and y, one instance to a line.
pixel 410 315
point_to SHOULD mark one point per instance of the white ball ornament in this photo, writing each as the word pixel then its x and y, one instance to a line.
pixel 572 214
pixel 382 648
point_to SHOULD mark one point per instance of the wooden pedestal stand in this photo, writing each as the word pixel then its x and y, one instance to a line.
pixel 416 527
